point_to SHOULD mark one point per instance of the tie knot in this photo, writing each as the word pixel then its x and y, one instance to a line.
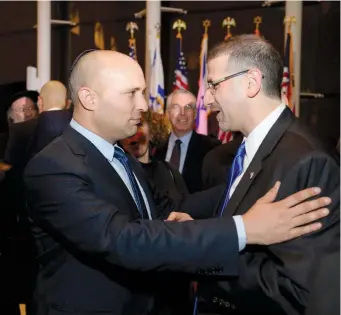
pixel 178 142
pixel 241 150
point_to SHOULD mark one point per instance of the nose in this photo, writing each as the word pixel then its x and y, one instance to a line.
pixel 208 98
pixel 142 104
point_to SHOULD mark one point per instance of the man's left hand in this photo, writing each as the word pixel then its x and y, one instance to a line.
pixel 179 217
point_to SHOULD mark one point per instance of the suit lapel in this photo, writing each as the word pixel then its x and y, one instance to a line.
pixel 100 167
pixel 139 173
pixel 191 159
pixel 255 168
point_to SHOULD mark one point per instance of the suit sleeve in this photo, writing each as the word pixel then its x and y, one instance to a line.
pixel 278 277
pixel 65 205
pixel 203 204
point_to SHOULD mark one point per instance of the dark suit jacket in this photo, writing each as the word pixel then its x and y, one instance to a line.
pixel 277 279
pixel 95 254
pixel 325 294
pixel 19 140
pixel 218 161
pixel 198 147
pixel 51 124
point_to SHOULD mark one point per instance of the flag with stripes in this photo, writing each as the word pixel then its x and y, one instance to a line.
pixel 132 48
pixel 156 90
pixel 180 73
pixel 225 136
pixel 288 73
pixel 201 118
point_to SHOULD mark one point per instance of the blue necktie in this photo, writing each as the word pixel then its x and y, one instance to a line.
pixel 235 171
pixel 121 156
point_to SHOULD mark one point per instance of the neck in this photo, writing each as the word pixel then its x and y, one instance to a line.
pixel 49 107
pixel 145 157
pixel 86 123
pixel 180 134
pixel 255 114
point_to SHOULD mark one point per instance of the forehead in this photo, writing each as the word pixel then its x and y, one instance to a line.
pixel 217 67
pixel 183 99
pixel 23 101
pixel 130 77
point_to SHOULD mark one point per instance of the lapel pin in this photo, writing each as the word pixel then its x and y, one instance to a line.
pixel 251 175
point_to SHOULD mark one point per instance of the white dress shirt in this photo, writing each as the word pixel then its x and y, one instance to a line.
pixel 183 148
pixel 108 150
pixel 255 139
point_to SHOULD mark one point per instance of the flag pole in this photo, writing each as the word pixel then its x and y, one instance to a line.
pixel 293 9
pixel 43 42
pixel 153 18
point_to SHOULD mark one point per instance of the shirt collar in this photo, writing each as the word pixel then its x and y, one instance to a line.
pixel 256 137
pixel 105 147
pixel 184 139
pixel 53 108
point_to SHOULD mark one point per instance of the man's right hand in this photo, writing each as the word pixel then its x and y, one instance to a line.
pixel 269 222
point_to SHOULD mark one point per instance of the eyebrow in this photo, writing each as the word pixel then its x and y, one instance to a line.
pixel 134 90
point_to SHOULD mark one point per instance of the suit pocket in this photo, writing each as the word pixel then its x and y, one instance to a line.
pixel 57 309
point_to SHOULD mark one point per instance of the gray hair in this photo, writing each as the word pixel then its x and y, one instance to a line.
pixel 178 91
pixel 247 51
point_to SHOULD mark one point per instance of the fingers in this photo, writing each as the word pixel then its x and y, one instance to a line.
pixel 172 216
pixel 271 195
pixel 301 196
pixel 179 217
pixel 308 206
pixel 309 217
pixel 299 231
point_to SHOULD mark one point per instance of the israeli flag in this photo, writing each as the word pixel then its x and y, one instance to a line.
pixel 156 86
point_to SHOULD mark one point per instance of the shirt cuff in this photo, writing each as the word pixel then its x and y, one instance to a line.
pixel 238 220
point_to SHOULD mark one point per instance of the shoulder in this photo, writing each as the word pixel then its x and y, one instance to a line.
pixel 204 141
pixel 55 157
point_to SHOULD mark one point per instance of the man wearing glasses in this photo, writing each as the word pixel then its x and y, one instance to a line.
pixel 244 80
pixel 185 149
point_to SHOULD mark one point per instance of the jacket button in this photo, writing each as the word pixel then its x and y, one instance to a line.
pixel 227 304
pixel 233 306
pixel 215 300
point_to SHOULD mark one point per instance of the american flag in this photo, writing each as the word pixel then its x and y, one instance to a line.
pixel 225 136
pixel 288 73
pixel 180 73
pixel 132 48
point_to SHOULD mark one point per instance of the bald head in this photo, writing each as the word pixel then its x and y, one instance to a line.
pixel 95 66
pixel 53 94
pixel 107 90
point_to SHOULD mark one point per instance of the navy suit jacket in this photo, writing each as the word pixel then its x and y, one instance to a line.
pixel 50 125
pixel 95 253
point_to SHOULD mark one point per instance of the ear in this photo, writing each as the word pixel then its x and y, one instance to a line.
pixel 40 104
pixel 68 103
pixel 87 98
pixel 254 83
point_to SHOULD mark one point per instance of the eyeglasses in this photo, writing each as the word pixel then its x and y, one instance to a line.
pixel 25 109
pixel 187 108
pixel 212 85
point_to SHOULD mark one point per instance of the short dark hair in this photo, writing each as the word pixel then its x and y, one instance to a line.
pixel 247 51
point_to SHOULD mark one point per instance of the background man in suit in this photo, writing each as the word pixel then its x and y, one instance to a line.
pixel 244 79
pixel 16 246
pixel 87 197
pixel 53 117
pixel 185 149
